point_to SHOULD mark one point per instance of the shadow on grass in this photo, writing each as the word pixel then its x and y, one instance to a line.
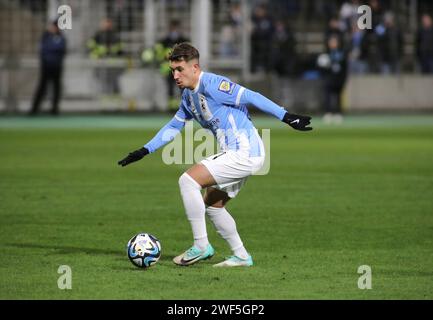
pixel 166 261
pixel 116 254
pixel 69 249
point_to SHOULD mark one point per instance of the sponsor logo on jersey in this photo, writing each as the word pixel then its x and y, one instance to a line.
pixel 226 86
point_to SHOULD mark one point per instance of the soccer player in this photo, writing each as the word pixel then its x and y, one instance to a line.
pixel 220 106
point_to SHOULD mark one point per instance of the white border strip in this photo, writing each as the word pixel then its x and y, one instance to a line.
pixel 179 118
pixel 238 98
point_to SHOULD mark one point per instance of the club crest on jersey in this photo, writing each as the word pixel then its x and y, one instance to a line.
pixel 205 110
pixel 226 86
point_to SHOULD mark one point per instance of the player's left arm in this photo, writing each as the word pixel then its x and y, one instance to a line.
pixel 231 93
pixel 297 122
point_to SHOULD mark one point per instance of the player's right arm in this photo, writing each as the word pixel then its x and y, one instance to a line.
pixel 164 136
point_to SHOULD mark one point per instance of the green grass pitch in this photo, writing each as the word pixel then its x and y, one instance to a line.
pixel 334 199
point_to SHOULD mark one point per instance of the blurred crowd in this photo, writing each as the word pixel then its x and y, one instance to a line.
pixel 376 50
pixel 346 49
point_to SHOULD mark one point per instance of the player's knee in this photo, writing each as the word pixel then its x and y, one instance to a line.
pixel 212 211
pixel 185 181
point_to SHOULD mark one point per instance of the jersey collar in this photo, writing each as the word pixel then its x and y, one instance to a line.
pixel 198 83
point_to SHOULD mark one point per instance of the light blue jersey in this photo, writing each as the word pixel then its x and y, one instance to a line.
pixel 220 106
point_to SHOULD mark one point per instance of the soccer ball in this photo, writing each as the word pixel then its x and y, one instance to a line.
pixel 143 250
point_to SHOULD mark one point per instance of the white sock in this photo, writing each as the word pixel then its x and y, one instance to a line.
pixel 195 209
pixel 226 227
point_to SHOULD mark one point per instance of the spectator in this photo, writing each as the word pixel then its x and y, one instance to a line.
pixel 349 14
pixel 261 38
pixel 370 51
pixel 425 44
pixel 228 42
pixel 283 50
pixel 357 63
pixel 334 29
pixel 235 15
pixel 174 36
pixel 376 12
pixel 390 42
pixel 52 52
pixel 106 44
pixel 284 62
pixel 370 48
pixel 334 68
pixel 230 36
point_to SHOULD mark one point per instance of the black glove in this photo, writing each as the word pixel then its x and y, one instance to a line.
pixel 133 156
pixel 297 122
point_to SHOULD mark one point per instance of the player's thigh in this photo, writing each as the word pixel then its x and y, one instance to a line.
pixel 215 198
pixel 201 175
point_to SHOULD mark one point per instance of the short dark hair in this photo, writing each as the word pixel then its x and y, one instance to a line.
pixel 183 52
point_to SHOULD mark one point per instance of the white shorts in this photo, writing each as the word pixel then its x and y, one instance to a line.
pixel 231 169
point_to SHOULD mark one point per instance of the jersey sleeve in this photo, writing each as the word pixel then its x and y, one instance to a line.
pixel 229 93
pixel 225 91
pixel 249 97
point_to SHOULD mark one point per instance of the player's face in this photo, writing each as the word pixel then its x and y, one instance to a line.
pixel 185 74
